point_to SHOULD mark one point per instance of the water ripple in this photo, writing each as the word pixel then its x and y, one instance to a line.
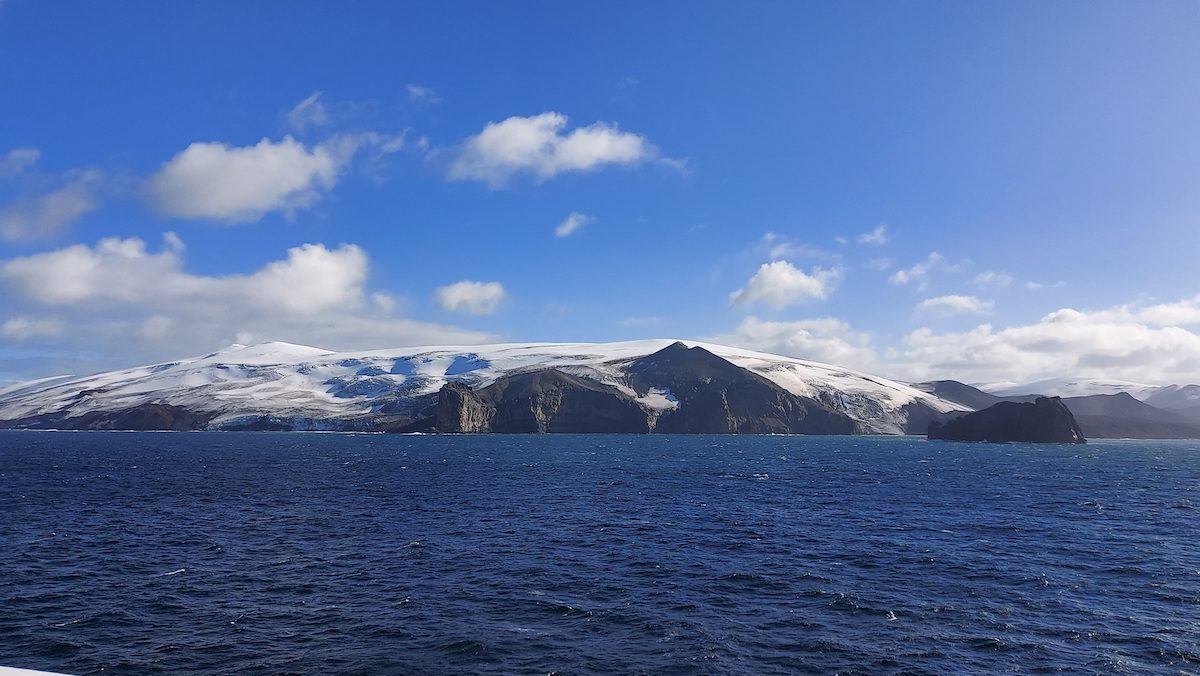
pixel 234 553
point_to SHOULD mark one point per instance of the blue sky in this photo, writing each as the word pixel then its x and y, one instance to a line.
pixel 984 191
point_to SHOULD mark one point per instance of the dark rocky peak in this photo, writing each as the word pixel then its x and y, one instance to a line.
pixel 717 396
pixel 678 365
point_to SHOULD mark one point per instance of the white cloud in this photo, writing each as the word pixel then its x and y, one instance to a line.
pixel 538 146
pixel 241 184
pixel 174 242
pixel 420 94
pixel 477 298
pixel 310 280
pixel 877 236
pixel 880 264
pixel 133 304
pixel 1038 286
pixel 17 160
pixel 955 305
pixel 778 247
pixel 778 284
pixel 919 273
pixel 633 322
pixel 26 328
pixel 1155 343
pixel 826 340
pixel 571 223
pixel 308 114
pixel 385 302
pixel 50 213
pixel 993 278
pixel 1143 343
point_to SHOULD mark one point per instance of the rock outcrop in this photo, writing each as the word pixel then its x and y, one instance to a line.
pixel 1046 420
pixel 460 410
pixel 539 402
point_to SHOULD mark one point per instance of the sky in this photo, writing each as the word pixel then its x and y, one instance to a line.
pixel 993 192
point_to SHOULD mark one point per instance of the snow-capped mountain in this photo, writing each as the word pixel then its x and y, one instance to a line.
pixel 1175 396
pixel 304 387
pixel 1071 387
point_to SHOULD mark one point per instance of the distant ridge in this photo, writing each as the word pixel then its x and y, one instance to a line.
pixel 1101 416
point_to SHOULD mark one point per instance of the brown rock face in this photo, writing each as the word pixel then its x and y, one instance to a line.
pixel 459 410
pixel 541 401
pixel 553 401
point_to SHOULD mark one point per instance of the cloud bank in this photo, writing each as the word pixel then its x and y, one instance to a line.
pixel 143 304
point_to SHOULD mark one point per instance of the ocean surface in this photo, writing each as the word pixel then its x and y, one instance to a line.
pixel 227 553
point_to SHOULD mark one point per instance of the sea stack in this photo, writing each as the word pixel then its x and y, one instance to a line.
pixel 1047 420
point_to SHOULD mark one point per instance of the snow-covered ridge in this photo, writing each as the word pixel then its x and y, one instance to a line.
pixel 297 381
pixel 1072 387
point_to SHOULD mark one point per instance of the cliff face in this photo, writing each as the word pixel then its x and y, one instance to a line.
pixel 541 401
pixel 1046 420
pixel 460 410
pixel 553 401
pixel 149 417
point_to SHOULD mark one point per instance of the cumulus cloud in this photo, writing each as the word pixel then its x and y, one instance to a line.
pixel 422 94
pixel 954 305
pixel 242 184
pixel 825 340
pixel 571 223
pixel 53 212
pixel 17 160
pixel 477 298
pixel 1144 343
pixel 310 280
pixel 541 146
pixel 779 284
pixel 133 303
pixel 877 236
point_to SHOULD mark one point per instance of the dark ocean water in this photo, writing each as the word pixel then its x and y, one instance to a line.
pixel 299 553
